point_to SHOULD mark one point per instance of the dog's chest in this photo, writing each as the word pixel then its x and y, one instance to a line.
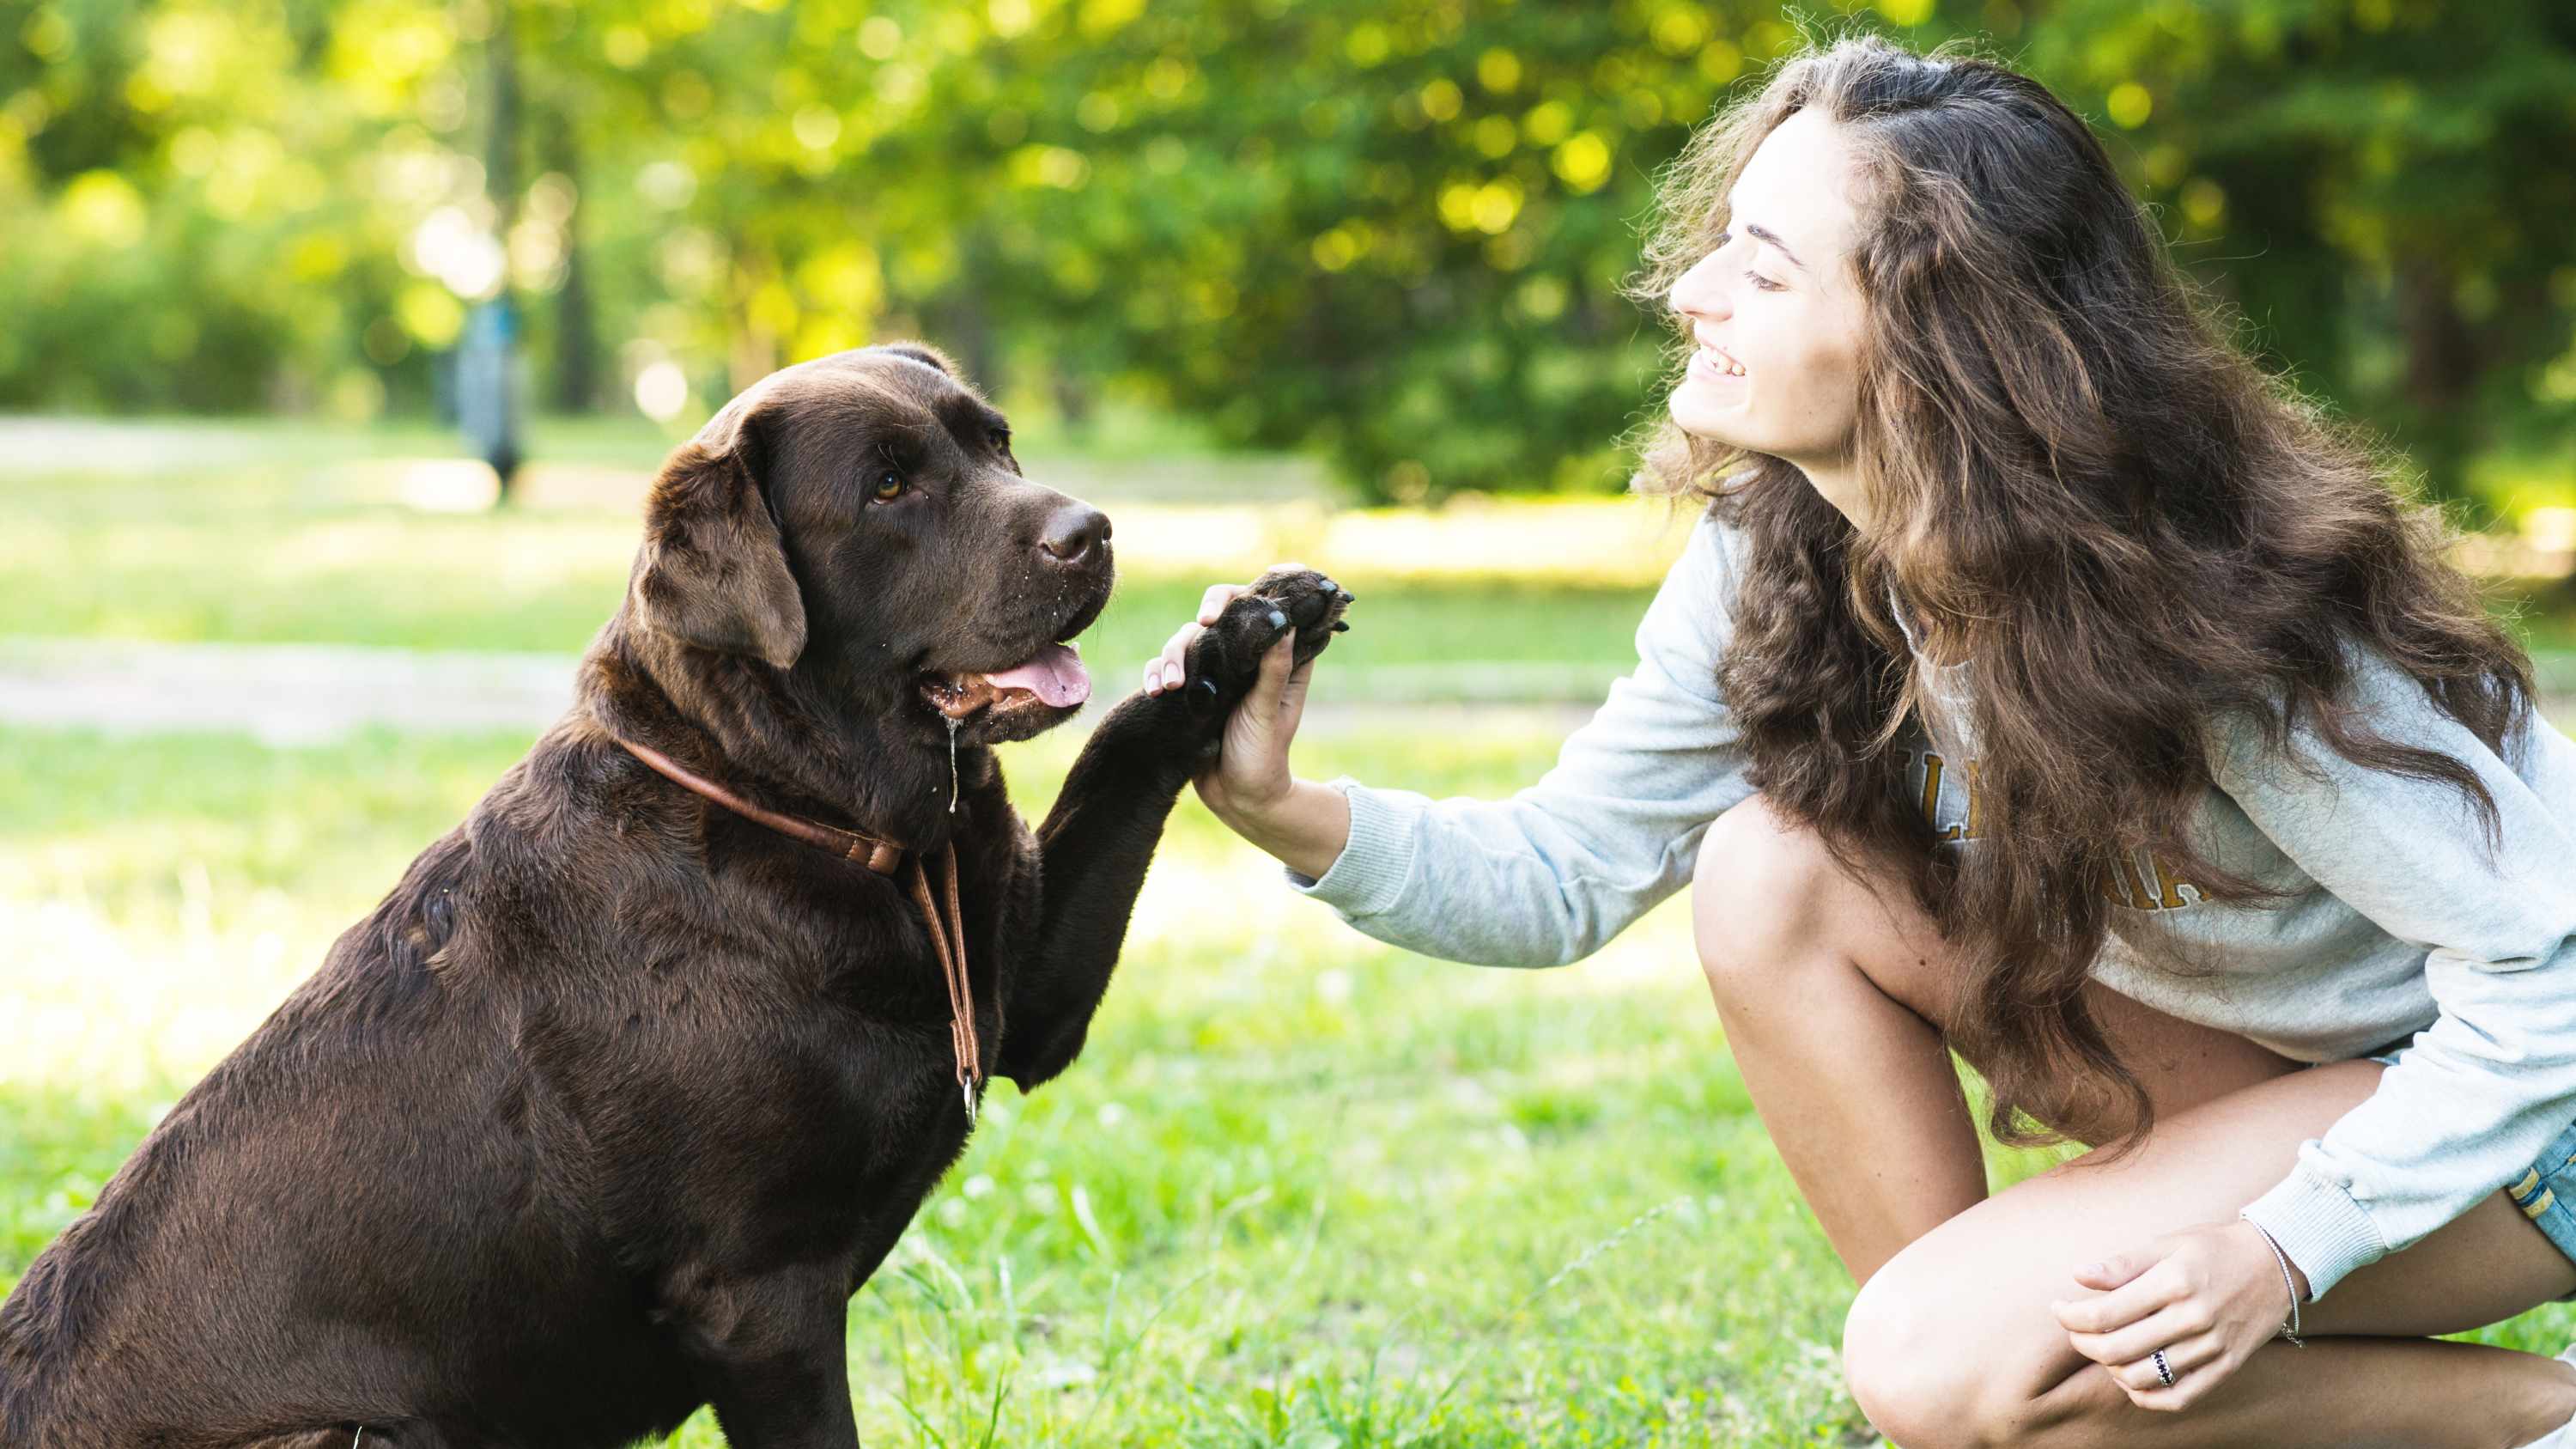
pixel 882 980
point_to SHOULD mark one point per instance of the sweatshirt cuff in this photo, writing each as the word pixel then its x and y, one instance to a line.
pixel 2318 1224
pixel 1369 874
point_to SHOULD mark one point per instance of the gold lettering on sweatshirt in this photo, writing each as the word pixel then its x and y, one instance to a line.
pixel 1932 795
pixel 2142 882
pixel 2171 899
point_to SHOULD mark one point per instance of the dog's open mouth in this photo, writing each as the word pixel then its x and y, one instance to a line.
pixel 1054 678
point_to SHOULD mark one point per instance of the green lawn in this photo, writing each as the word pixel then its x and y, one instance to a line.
pixel 308 542
pixel 279 532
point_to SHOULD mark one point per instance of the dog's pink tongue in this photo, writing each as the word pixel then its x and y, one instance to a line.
pixel 1056 676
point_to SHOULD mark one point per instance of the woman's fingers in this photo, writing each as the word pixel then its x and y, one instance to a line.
pixel 2139 1298
pixel 2133 1343
pixel 1213 602
pixel 1268 688
pixel 1292 699
pixel 1167 669
pixel 1253 754
pixel 2194 1363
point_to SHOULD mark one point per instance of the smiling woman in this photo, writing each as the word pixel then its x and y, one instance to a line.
pixel 2046 684
pixel 1776 364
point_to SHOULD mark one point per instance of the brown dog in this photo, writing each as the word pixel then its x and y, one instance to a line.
pixel 609 1108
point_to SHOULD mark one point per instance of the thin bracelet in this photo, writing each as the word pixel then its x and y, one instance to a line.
pixel 2289 1325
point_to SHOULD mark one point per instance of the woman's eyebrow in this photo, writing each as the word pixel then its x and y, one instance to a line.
pixel 1764 234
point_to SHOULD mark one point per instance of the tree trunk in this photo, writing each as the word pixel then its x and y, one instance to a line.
pixel 576 387
pixel 2441 369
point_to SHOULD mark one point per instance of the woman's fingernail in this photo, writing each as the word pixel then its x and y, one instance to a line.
pixel 2094 1270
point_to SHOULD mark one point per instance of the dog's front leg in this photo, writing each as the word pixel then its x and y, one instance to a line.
pixel 1101 834
pixel 772 1353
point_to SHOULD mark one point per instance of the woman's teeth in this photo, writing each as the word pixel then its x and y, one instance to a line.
pixel 1723 363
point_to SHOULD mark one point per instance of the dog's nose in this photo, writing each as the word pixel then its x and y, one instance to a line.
pixel 1075 532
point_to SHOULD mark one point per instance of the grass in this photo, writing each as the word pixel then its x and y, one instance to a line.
pixel 311 543
pixel 279 532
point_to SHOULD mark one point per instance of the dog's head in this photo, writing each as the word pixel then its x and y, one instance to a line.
pixel 859 520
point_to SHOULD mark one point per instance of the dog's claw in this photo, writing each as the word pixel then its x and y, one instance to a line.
pixel 1202 696
pixel 1340 628
pixel 1344 596
pixel 1278 620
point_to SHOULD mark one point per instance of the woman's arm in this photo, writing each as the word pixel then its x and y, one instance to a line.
pixel 1552 873
pixel 2493 1080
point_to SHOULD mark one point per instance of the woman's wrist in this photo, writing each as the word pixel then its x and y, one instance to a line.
pixel 1304 826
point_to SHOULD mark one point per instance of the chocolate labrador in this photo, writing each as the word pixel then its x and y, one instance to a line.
pixel 612 1104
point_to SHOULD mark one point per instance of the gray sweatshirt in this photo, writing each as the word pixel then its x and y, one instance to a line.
pixel 2398 924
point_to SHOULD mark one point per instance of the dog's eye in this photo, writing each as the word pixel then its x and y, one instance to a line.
pixel 1002 439
pixel 890 486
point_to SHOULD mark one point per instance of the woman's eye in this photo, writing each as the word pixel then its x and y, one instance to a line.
pixel 890 486
pixel 1763 282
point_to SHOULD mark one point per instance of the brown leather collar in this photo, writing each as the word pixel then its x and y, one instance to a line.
pixel 881 856
pixel 884 857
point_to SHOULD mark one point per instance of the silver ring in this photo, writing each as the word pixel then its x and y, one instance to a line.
pixel 2164 1370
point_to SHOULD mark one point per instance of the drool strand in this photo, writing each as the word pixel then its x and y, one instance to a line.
pixel 952 764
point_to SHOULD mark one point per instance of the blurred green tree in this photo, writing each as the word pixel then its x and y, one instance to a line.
pixel 1389 233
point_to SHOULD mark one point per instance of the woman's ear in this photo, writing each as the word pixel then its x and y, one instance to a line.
pixel 713 570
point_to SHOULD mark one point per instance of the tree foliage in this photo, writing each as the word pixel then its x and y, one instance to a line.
pixel 1391 233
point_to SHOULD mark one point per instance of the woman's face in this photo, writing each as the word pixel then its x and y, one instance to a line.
pixel 1778 316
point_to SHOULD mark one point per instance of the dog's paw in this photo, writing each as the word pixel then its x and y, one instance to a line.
pixel 1226 659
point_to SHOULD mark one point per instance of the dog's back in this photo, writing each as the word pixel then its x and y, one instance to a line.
pixel 233 1277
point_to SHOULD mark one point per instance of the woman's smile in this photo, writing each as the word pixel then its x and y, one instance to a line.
pixel 1710 364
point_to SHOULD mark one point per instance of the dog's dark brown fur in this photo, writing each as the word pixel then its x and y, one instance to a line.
pixel 607 1110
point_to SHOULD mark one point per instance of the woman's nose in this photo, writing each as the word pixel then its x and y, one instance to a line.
pixel 1697 292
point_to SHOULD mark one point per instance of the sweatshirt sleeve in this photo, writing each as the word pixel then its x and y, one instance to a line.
pixel 1549 875
pixel 2484 1089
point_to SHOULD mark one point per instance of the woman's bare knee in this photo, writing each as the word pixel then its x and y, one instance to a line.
pixel 1753 896
pixel 1931 1366
pixel 1768 895
pixel 1912 1368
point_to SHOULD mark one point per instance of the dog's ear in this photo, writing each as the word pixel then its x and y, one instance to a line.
pixel 713 570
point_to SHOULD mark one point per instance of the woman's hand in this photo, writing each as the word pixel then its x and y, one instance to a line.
pixel 1250 787
pixel 1251 773
pixel 2207 1296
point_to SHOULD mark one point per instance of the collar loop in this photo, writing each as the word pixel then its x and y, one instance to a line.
pixel 883 857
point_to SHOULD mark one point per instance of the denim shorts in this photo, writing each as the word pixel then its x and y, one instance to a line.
pixel 2546 1191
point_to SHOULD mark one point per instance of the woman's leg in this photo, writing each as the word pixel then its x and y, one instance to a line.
pixel 1952 1343
pixel 1828 991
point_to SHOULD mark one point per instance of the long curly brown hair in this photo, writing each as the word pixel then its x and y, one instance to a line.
pixel 2079 486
